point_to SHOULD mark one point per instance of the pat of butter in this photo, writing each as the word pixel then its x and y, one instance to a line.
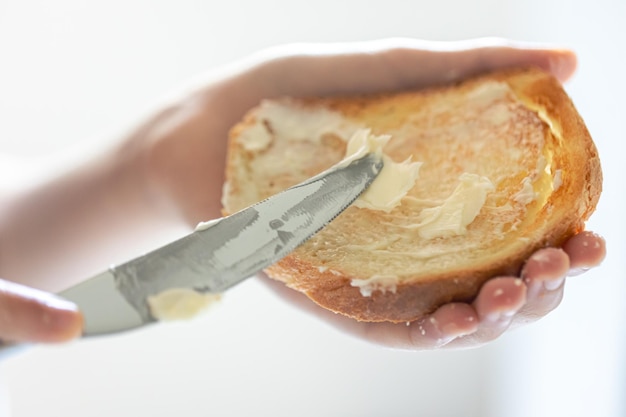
pixel 256 137
pixel 393 182
pixel 458 210
pixel 381 283
pixel 179 304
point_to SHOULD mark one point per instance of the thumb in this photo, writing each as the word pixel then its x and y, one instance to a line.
pixel 30 315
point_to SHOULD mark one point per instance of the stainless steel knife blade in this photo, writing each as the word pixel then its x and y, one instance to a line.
pixel 223 252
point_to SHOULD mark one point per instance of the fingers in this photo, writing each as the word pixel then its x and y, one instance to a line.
pixel 456 325
pixel 501 303
pixel 396 64
pixel 499 299
pixel 496 305
pixel 509 302
pixel 585 250
pixel 448 323
pixel 545 271
pixel 29 315
pixel 544 274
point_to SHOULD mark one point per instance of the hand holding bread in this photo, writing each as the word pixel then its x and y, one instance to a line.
pixel 169 172
pixel 480 304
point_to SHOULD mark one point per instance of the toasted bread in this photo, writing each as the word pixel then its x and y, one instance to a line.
pixel 517 129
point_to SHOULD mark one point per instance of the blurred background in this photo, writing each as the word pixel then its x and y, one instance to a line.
pixel 72 72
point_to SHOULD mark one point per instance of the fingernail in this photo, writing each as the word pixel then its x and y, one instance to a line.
pixel 577 271
pixel 462 328
pixel 553 284
pixel 501 316
pixel 442 341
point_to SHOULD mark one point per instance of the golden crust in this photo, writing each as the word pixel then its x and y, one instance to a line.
pixel 568 143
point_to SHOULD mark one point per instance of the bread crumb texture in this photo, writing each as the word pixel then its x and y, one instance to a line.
pixel 506 166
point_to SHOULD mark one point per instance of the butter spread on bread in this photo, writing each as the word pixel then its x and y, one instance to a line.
pixel 393 182
pixel 506 166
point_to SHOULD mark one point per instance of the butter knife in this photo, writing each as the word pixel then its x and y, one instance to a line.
pixel 220 253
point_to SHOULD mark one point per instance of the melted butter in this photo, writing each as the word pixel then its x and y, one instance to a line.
pixel 485 94
pixel 283 119
pixel 545 183
pixel 557 181
pixel 180 304
pixel 527 194
pixel 424 253
pixel 544 186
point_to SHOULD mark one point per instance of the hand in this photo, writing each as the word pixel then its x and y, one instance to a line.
pixel 502 303
pixel 33 316
pixel 189 144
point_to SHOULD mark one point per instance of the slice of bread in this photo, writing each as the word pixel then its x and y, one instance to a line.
pixel 515 130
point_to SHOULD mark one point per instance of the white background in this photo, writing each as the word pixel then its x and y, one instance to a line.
pixel 73 71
